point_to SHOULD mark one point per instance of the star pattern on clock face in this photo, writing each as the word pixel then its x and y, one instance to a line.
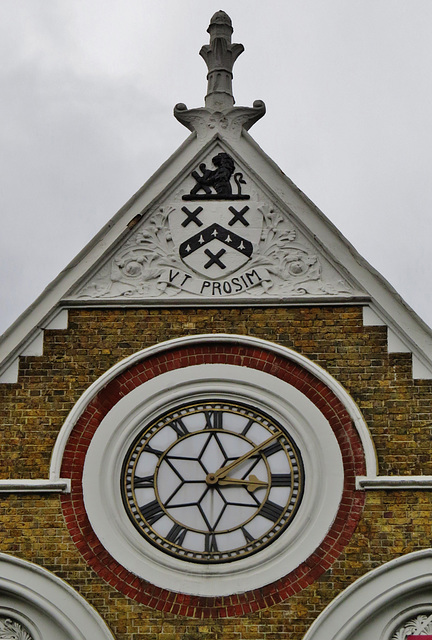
pixel 212 482
pixel 211 507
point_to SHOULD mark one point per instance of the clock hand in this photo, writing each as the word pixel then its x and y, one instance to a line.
pixel 222 472
pixel 251 485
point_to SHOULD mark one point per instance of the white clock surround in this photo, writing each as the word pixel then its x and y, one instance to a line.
pixel 307 426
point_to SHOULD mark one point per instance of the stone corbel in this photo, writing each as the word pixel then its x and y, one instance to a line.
pixel 206 122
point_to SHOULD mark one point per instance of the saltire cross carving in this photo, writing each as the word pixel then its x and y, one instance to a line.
pixel 214 258
pixel 192 216
pixel 238 216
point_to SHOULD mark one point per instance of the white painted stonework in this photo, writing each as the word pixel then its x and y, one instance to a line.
pixel 415 622
pixel 217 250
pixel 37 605
pixel 384 604
pixel 13 628
pixel 298 258
pixel 323 471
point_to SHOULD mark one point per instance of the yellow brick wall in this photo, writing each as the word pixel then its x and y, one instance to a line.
pixel 396 409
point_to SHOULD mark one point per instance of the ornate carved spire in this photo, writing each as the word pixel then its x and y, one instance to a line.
pixel 219 57
pixel 219 114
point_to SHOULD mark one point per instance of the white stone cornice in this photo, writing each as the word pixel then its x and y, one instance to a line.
pixel 395 483
pixel 62 485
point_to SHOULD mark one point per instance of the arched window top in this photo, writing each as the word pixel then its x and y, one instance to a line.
pixel 388 603
pixel 41 606
pixel 214 339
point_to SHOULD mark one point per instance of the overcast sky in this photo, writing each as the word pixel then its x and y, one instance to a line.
pixel 87 89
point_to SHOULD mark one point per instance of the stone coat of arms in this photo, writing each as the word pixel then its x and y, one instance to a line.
pixel 214 241
pixel 215 238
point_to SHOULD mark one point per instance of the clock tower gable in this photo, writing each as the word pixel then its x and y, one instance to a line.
pixel 217 240
pixel 217 418
pixel 219 224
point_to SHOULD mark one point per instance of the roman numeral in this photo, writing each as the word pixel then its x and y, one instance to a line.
pixel 273 448
pixel 177 534
pixel 271 511
pixel 179 427
pixel 217 420
pixel 247 535
pixel 247 427
pixel 210 543
pixel 152 512
pixel 144 482
pixel 149 449
pixel 280 480
pixel 213 420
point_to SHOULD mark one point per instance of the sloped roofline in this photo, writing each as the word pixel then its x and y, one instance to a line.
pixel 41 311
pixel 387 305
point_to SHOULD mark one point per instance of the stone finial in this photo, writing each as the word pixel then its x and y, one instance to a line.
pixel 219 57
pixel 219 114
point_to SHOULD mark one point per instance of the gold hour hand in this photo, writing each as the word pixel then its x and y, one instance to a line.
pixel 252 484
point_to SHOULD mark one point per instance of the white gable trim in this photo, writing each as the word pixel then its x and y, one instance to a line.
pixel 385 301
pixel 47 305
pixel 408 331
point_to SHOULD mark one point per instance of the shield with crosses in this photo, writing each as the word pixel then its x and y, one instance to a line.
pixel 216 238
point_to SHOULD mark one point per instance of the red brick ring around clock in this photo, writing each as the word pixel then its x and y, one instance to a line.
pixel 350 508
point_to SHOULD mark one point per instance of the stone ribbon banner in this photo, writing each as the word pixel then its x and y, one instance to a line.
pixel 220 288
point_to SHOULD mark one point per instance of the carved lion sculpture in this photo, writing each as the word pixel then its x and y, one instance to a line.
pixel 219 179
pixel 223 173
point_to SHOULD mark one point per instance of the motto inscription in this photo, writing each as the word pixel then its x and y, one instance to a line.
pixel 217 248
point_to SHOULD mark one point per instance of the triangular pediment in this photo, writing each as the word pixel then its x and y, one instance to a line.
pixel 151 254
pixel 218 234
pixel 218 224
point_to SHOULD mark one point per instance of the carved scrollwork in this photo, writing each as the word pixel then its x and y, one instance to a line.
pixel 295 270
pixel 150 263
pixel 137 267
pixel 420 625
pixel 11 629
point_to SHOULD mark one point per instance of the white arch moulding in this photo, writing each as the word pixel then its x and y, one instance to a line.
pixel 314 369
pixel 51 609
pixel 375 604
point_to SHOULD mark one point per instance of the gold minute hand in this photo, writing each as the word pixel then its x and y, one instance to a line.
pixel 222 472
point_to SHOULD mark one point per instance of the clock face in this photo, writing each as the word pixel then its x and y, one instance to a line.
pixel 212 481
